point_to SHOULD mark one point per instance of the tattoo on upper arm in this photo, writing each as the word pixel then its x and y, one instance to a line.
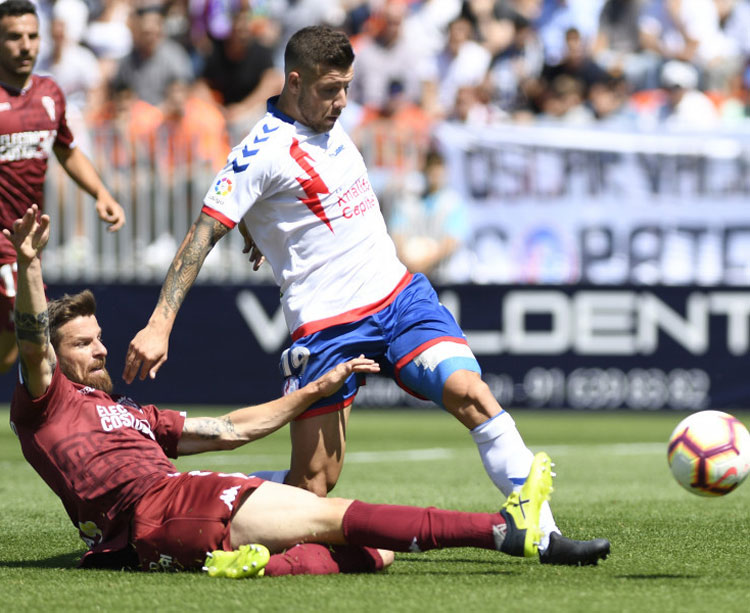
pixel 32 327
pixel 201 238
pixel 210 428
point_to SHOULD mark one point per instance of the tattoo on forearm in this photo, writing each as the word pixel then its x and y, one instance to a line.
pixel 32 327
pixel 210 428
pixel 203 235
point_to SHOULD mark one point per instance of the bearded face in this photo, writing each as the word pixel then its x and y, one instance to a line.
pixel 81 354
pixel 98 379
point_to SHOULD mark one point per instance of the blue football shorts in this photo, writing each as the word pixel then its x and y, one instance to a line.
pixel 415 339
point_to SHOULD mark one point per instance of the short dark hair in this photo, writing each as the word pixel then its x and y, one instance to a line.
pixel 315 47
pixel 67 308
pixel 16 8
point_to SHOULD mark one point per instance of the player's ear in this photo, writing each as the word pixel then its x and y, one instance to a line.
pixel 294 81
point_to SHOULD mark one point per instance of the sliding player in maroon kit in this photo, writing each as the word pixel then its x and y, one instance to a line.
pixel 32 125
pixel 106 457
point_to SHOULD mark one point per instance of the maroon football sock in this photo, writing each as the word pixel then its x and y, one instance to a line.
pixel 401 528
pixel 315 559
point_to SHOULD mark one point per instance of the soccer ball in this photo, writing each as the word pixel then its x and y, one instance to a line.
pixel 709 453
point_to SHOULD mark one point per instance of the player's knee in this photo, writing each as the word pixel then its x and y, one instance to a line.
pixel 327 483
pixel 469 399
pixel 465 387
pixel 318 483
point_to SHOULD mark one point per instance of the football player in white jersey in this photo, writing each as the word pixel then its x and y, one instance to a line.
pixel 298 188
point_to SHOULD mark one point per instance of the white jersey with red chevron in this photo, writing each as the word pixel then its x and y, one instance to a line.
pixel 309 205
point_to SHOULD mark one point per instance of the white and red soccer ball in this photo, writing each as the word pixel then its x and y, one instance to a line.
pixel 709 453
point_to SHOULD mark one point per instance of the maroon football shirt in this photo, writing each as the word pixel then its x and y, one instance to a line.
pixel 98 453
pixel 31 122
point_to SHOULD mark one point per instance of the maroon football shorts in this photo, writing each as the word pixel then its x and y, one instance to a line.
pixel 187 515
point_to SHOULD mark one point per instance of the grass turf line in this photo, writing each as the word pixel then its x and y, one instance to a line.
pixel 671 551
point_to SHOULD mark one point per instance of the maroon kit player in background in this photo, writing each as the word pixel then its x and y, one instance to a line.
pixel 32 125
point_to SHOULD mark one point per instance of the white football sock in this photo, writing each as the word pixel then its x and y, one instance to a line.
pixel 507 461
pixel 277 476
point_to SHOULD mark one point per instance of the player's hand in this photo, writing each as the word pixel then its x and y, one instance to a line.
pixel 146 353
pixel 331 382
pixel 256 256
pixel 29 236
pixel 110 211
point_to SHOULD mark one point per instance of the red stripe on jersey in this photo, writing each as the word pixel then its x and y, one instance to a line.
pixel 331 408
pixel 354 314
pixel 313 186
pixel 218 217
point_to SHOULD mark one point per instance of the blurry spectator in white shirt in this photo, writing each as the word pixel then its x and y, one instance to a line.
pixel 462 62
pixel 74 67
pixel 686 108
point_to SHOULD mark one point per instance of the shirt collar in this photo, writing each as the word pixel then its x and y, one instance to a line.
pixel 274 110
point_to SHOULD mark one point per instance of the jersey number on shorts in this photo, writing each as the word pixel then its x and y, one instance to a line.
pixel 294 361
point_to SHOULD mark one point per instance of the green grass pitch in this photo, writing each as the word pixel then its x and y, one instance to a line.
pixel 671 551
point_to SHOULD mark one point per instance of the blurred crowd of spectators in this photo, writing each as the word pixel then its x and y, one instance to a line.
pixel 200 71
pixel 634 62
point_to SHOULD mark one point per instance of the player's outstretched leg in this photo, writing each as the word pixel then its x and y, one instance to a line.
pixel 247 561
pixel 521 534
pixel 565 551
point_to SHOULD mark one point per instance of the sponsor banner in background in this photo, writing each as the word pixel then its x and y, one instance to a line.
pixel 555 205
pixel 594 348
pixel 582 347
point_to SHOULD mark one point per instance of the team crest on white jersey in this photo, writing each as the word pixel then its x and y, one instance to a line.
pixel 49 106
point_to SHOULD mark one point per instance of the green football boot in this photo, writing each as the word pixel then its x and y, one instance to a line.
pixel 521 535
pixel 247 561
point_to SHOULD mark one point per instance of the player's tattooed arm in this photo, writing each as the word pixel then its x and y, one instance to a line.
pixel 200 239
pixel 148 349
pixel 208 434
pixel 34 328
pixel 29 235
